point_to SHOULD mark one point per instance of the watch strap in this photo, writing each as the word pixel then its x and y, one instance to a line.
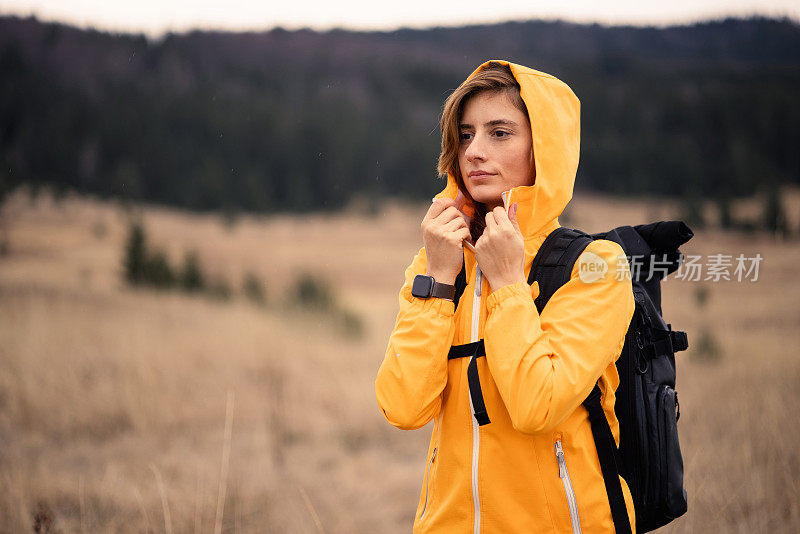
pixel 443 291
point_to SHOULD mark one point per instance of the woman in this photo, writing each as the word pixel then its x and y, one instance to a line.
pixel 510 143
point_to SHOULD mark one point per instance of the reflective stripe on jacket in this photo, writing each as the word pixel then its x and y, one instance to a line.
pixel 534 468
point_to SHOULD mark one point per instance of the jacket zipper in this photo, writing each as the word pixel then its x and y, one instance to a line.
pixel 563 474
pixel 428 483
pixel 476 316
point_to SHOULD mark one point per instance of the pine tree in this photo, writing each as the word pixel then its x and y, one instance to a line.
pixel 135 261
pixel 725 211
pixel 774 213
pixel 158 272
pixel 191 277
pixel 692 210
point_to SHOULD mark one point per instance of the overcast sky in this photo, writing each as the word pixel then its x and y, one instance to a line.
pixel 156 17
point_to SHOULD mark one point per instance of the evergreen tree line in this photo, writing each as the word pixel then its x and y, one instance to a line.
pixel 773 217
pixel 146 266
pixel 306 120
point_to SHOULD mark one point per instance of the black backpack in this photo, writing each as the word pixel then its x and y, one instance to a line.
pixel 649 455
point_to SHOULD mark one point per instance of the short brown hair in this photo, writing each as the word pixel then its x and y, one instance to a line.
pixel 494 78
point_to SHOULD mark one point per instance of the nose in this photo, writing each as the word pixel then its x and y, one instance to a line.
pixel 475 150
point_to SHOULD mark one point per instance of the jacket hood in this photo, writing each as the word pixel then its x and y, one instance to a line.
pixel 554 113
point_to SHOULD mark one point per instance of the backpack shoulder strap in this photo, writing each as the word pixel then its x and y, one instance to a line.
pixel 607 454
pixel 552 265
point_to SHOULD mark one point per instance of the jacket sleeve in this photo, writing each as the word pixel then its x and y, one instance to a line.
pixel 545 366
pixel 413 374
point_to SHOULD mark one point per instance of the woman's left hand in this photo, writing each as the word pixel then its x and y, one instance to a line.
pixel 500 251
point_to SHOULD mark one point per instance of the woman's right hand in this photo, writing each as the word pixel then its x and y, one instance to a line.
pixel 443 230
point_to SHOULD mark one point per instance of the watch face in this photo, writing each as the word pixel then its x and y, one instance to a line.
pixel 422 286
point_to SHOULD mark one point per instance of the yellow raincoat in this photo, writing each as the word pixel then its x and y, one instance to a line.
pixel 534 468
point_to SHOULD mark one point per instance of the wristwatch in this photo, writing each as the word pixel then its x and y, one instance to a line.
pixel 425 287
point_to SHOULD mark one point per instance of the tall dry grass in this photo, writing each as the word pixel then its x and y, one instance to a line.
pixel 128 410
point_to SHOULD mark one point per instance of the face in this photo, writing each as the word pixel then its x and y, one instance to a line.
pixel 495 147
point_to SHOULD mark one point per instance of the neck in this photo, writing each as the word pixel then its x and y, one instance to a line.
pixel 492 205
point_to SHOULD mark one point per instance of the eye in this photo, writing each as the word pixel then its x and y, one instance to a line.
pixel 501 133
pixel 465 136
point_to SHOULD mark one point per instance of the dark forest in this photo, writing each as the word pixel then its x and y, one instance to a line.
pixel 303 120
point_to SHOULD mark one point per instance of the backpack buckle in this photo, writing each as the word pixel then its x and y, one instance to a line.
pixel 679 340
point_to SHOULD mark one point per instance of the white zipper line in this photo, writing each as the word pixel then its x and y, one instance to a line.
pixel 476 316
pixel 476 305
pixel 428 484
pixel 563 474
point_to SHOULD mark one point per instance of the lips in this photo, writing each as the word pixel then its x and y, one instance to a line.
pixel 477 175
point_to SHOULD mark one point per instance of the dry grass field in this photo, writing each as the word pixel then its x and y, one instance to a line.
pixel 134 410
